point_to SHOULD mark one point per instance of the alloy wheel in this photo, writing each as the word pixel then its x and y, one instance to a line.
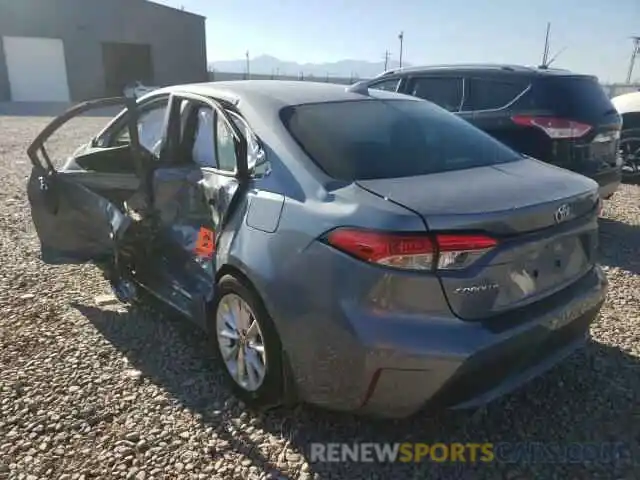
pixel 241 342
pixel 630 152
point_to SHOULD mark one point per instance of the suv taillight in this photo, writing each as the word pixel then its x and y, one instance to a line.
pixel 556 128
pixel 411 251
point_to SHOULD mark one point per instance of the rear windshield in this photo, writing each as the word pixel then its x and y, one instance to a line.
pixel 371 139
pixel 574 97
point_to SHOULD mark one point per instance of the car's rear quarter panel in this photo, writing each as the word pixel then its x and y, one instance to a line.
pixel 321 300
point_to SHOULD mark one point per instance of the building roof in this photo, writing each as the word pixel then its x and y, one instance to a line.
pixel 177 10
pixel 627 102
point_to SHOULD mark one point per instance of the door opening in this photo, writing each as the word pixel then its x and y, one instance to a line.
pixel 124 64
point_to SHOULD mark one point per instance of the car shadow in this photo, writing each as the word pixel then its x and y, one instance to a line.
pixel 619 245
pixel 171 354
pixel 631 180
pixel 174 356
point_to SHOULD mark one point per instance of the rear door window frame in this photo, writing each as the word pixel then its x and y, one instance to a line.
pixel 410 83
pixel 468 82
pixel 107 136
pixel 220 113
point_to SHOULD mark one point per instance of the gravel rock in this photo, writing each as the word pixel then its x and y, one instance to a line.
pixel 87 392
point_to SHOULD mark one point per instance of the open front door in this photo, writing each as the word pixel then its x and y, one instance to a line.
pixel 78 213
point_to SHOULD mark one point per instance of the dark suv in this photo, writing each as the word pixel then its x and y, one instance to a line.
pixel 557 116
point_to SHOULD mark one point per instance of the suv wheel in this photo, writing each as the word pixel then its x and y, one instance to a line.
pixel 630 152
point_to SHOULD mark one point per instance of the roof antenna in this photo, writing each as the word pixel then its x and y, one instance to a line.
pixel 553 59
pixel 545 53
pixel 546 62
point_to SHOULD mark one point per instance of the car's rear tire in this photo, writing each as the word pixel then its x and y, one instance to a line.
pixel 629 146
pixel 235 310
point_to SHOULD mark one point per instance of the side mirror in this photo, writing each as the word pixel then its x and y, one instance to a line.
pixel 257 163
pixel 260 170
pixel 130 92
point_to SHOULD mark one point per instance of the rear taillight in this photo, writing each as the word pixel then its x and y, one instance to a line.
pixel 556 128
pixel 411 251
pixel 460 251
pixel 416 252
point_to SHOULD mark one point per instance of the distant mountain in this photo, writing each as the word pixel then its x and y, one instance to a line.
pixel 268 65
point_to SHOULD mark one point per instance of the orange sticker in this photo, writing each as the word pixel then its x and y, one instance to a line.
pixel 206 244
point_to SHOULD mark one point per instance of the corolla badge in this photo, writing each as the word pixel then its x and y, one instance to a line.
pixel 562 213
pixel 485 287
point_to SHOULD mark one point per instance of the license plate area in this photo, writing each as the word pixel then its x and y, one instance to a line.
pixel 558 260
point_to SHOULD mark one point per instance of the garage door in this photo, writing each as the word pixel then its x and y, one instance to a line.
pixel 37 69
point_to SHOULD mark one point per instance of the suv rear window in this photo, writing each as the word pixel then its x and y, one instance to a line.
pixel 371 139
pixel 574 97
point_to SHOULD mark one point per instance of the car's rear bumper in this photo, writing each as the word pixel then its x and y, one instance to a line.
pixel 394 367
pixel 609 181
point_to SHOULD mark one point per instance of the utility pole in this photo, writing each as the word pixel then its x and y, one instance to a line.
pixel 634 54
pixel 386 60
pixel 401 38
pixel 248 65
pixel 545 53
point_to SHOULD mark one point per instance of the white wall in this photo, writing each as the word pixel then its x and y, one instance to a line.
pixel 37 69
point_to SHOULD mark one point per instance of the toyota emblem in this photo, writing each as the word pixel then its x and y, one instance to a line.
pixel 563 213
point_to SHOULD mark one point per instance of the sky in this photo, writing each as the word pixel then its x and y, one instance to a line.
pixel 594 33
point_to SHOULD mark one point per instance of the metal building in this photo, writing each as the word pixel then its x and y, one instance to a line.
pixel 73 50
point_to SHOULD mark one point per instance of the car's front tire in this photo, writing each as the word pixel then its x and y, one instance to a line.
pixel 247 344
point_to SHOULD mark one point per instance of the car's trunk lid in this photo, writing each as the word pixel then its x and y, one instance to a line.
pixel 543 217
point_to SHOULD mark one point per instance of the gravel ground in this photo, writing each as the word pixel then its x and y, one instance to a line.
pixel 97 392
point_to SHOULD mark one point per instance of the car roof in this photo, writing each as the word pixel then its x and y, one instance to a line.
pixel 484 68
pixel 627 102
pixel 276 94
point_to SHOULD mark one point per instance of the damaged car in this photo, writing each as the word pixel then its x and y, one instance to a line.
pixel 356 249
